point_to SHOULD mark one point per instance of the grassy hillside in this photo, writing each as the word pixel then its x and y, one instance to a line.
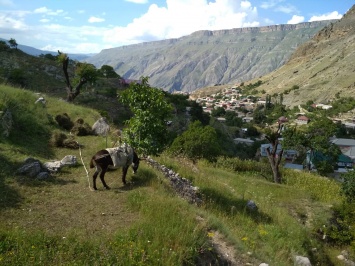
pixel 60 221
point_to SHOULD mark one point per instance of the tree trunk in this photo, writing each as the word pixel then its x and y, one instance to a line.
pixel 275 160
pixel 273 156
pixel 71 94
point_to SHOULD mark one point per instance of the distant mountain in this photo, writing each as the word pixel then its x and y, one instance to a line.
pixel 322 68
pixel 209 57
pixel 36 52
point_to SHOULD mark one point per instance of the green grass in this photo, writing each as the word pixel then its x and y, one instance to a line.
pixel 60 221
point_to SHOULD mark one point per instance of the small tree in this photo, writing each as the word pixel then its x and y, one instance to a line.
pixel 108 72
pixel 4 46
pixel 83 73
pixel 274 152
pixel 197 142
pixel 146 131
pixel 13 43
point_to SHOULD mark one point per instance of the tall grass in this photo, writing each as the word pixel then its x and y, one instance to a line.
pixel 288 215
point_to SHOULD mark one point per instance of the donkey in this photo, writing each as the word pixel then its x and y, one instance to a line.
pixel 113 158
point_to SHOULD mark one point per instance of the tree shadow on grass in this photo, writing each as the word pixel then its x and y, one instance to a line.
pixel 9 197
pixel 232 206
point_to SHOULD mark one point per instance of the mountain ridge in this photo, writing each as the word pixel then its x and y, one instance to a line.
pixel 208 57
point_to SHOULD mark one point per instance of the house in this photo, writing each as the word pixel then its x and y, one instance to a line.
pixel 243 141
pixel 289 155
pixel 247 119
pixel 347 146
pixel 323 106
pixel 296 167
pixel 282 120
pixel 302 120
pixel 349 125
pixel 343 161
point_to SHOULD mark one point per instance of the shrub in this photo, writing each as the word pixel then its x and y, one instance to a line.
pixel 64 121
pixel 340 228
pixel 348 186
pixel 57 139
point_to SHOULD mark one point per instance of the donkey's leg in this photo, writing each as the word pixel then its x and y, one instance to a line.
pixel 98 169
pixel 102 177
pixel 124 173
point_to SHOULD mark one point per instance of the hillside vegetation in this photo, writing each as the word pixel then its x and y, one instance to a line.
pixel 60 221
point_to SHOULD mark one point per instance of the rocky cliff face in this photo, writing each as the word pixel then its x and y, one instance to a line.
pixel 209 57
pixel 321 67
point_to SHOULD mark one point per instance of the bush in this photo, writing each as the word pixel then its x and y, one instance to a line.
pixel 57 139
pixel 348 186
pixel 64 121
pixel 340 228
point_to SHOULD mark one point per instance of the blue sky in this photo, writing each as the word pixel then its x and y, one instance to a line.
pixel 88 26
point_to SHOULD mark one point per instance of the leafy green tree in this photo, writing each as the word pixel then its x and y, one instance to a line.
pixel 219 111
pixel 84 73
pixel 197 113
pixel 17 77
pixel 146 131
pixel 197 142
pixel 13 43
pixel 259 115
pixel 4 46
pixel 233 120
pixel 49 56
pixel 108 72
pixel 314 139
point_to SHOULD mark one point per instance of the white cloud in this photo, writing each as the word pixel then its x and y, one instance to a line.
pixel 44 20
pixel 47 11
pixel 295 19
pixel 332 15
pixel 95 19
pixel 181 18
pixel 270 4
pixel 12 21
pixel 137 1
pixel 41 10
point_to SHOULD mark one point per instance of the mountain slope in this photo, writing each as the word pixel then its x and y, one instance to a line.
pixel 321 67
pixel 209 57
pixel 36 52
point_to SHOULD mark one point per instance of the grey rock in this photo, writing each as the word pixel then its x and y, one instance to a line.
pixel 101 127
pixel 69 160
pixel 31 169
pixel 302 261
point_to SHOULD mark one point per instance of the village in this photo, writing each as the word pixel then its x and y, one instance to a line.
pixel 233 100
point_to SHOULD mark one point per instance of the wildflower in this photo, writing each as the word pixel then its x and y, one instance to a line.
pixel 210 234
pixel 245 238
